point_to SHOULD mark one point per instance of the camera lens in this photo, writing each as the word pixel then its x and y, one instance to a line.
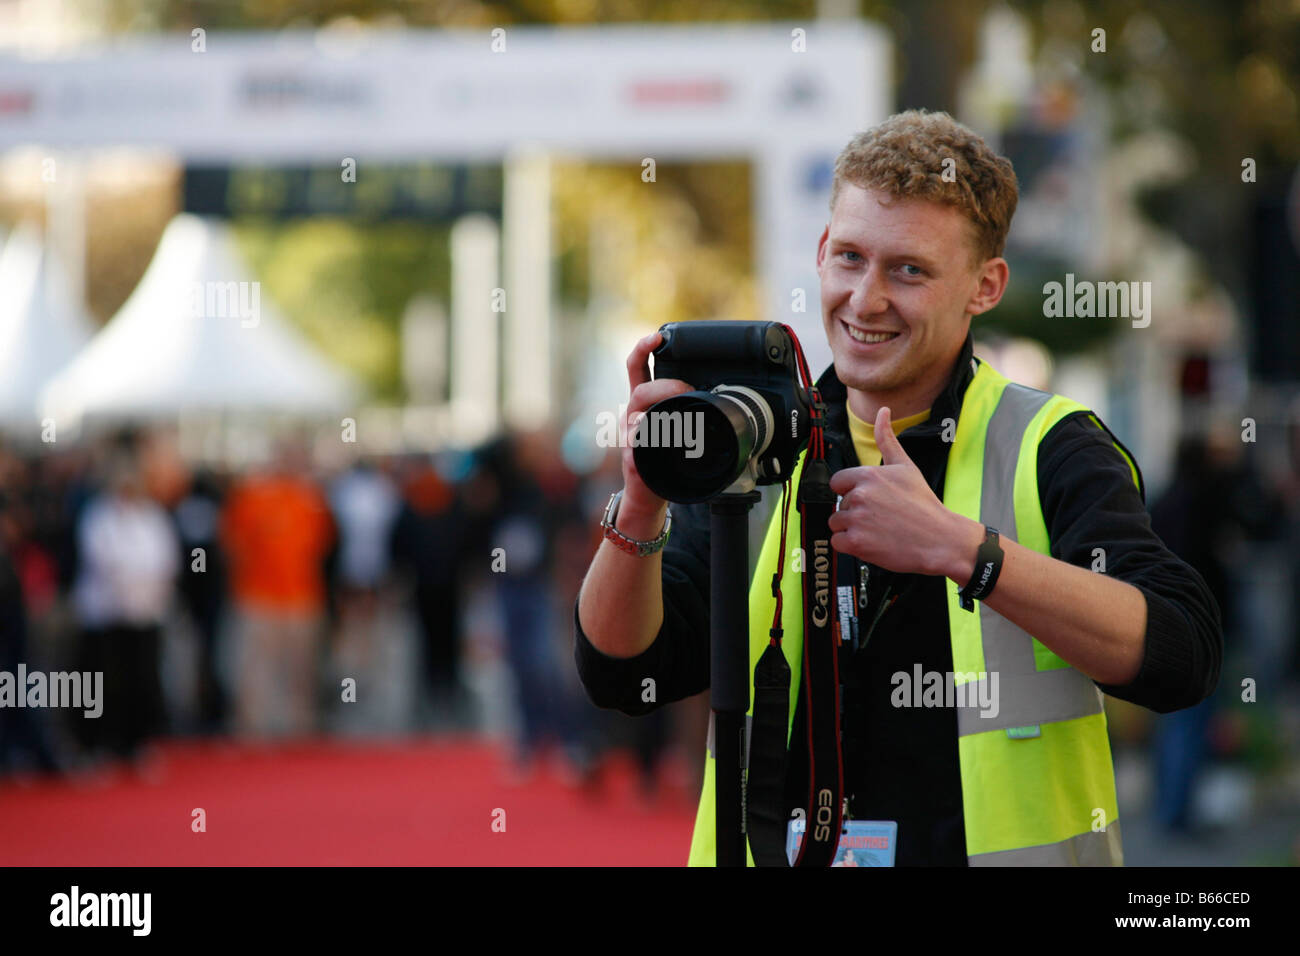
pixel 694 446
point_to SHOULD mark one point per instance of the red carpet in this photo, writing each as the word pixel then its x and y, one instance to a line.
pixel 325 803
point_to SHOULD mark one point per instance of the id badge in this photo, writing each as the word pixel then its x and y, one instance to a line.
pixel 862 842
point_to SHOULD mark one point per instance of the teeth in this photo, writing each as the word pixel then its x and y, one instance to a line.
pixel 869 337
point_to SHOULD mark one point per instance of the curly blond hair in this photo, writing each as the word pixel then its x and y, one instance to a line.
pixel 905 157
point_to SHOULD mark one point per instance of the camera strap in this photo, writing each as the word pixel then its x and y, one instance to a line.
pixel 766 821
pixel 765 800
pixel 821 678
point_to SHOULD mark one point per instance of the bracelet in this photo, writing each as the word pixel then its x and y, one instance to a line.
pixel 632 546
pixel 988 565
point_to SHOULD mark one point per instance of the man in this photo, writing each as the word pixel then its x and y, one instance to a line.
pixel 930 449
pixel 276 530
pixel 128 554
pixel 203 589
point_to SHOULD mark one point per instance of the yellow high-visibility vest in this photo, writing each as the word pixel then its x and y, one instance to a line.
pixel 1037 781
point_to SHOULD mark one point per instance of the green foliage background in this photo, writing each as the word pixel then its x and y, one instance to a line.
pixel 347 284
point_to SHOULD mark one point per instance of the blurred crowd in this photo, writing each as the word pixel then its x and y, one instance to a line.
pixel 1231 521
pixel 435 593
pixel 288 600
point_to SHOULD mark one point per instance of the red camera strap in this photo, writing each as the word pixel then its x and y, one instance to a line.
pixel 766 822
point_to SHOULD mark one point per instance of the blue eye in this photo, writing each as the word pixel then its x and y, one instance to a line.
pixel 915 274
pixel 848 252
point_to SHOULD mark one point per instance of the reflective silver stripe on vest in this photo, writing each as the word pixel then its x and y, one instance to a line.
pixel 1019 700
pixel 1026 695
pixel 1086 849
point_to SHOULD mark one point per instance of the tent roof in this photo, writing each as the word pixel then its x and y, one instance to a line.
pixel 41 328
pixel 197 335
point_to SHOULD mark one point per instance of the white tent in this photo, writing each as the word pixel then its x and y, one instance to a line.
pixel 196 335
pixel 41 328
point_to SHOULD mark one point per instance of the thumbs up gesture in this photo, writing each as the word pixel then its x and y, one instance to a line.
pixel 888 514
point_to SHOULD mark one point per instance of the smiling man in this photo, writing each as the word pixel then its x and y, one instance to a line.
pixel 986 532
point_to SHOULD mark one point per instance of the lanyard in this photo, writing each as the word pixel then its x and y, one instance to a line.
pixel 821 672
pixel 765 797
pixel 765 783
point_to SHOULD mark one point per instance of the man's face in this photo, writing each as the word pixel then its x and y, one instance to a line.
pixel 902 268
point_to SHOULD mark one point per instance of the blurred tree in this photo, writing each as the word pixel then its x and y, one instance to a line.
pixel 346 285
pixel 685 248
pixel 1223 76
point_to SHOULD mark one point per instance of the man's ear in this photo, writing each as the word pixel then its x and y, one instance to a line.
pixel 992 283
pixel 821 246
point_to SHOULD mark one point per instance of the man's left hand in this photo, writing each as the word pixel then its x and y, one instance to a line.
pixel 891 518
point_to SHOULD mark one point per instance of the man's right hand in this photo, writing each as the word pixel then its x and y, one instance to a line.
pixel 621 604
pixel 641 513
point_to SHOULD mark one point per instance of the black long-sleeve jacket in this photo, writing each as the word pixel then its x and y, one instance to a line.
pixel 902 764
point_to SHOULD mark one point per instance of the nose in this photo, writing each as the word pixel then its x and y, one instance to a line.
pixel 869 297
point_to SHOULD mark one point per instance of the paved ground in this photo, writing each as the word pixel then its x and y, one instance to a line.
pixel 1248 823
pixel 1261 841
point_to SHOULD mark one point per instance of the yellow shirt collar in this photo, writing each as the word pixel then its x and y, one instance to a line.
pixel 864 434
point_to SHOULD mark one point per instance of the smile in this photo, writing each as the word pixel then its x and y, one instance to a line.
pixel 868 338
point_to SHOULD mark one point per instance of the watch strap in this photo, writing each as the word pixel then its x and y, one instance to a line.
pixel 631 545
pixel 988 565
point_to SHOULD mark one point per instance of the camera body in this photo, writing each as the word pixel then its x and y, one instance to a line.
pixel 752 409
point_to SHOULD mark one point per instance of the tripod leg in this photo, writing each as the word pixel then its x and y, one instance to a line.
pixel 729 665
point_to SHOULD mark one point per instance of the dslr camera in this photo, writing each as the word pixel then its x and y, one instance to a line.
pixel 745 423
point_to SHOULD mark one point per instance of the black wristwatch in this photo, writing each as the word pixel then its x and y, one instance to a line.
pixel 988 565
